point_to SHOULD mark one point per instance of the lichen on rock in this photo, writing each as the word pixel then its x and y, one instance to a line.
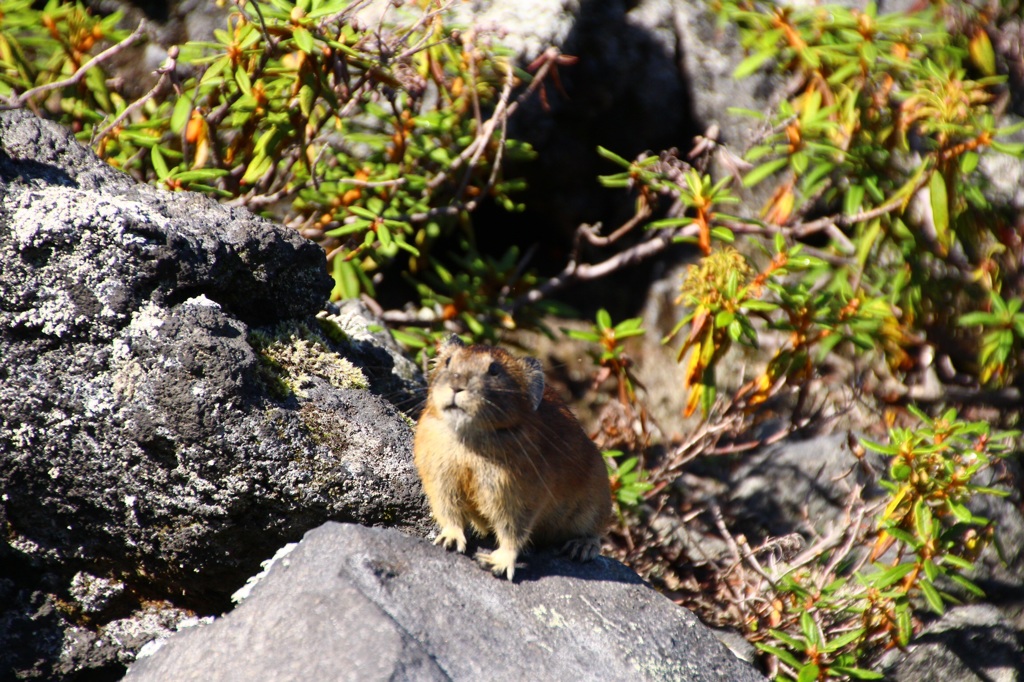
pixel 293 355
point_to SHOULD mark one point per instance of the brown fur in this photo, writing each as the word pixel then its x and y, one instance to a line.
pixel 498 450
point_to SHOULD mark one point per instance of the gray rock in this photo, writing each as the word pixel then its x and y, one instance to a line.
pixel 973 643
pixel 171 408
pixel 779 485
pixel 355 603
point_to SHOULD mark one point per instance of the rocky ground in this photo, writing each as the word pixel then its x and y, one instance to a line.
pixel 179 404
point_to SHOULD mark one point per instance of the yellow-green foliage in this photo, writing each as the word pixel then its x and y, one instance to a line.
pixel 378 139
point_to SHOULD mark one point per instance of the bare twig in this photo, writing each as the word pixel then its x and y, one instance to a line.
pixel 476 148
pixel 13 102
pixel 427 16
pixel 590 232
pixel 371 183
pixel 262 22
pixel 407 319
pixel 486 132
pixel 740 556
pixel 580 272
pixel 166 72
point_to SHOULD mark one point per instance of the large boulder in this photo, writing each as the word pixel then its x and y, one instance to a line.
pixel 356 603
pixel 171 408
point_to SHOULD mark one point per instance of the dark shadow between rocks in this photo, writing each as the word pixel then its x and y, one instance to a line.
pixel 29 171
pixel 627 92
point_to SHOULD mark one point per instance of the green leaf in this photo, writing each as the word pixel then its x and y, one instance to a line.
pixel 257 169
pixel 968 162
pixel 243 80
pixel 199 174
pixel 962 513
pixel 853 200
pixel 863 341
pixel 903 536
pixel 407 339
pixel 758 305
pixel 751 64
pixel 916 411
pixel 604 320
pixel 346 281
pixel 904 625
pixel 723 234
pixel 406 246
pixel 789 640
pixel 810 629
pixel 982 54
pixel 326 8
pixel 923 519
pixel 159 165
pixel 808 673
pixel 627 466
pixel 750 113
pixel 307 99
pixel 837 643
pixel 867 241
pixel 349 228
pixel 940 208
pixel 783 655
pixel 763 171
pixel 799 161
pixel 668 222
pixel 932 596
pixel 180 115
pixel 710 391
pixel 857 673
pixel 304 39
pixel 890 576
pixel 582 335
pixel 724 318
pixel 612 156
pixel 473 324
pixel 957 562
pixel 899 472
pixel 362 212
pixel 871 185
pixel 977 318
pixel 1012 149
pixel 967 584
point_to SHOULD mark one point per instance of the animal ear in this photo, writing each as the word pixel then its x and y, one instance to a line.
pixel 455 341
pixel 534 372
pixel 446 348
pixel 452 342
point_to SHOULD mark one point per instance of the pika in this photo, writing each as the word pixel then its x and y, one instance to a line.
pixel 497 449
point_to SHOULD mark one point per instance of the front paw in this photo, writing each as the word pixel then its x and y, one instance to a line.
pixel 499 561
pixel 452 537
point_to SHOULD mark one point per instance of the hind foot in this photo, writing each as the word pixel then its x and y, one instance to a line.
pixel 582 549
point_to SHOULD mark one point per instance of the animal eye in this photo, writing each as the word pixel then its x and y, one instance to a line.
pixel 447 361
pixel 494 369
